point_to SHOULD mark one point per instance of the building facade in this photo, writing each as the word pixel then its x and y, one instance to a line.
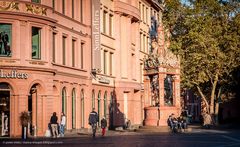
pixel 53 60
pixel 45 63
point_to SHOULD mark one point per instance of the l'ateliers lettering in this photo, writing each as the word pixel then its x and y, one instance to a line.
pixel 13 75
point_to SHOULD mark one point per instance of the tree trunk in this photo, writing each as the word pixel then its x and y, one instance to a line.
pixel 216 113
pixel 213 94
pixel 203 97
pixel 217 107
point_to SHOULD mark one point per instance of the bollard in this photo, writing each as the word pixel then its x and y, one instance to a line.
pixel 35 131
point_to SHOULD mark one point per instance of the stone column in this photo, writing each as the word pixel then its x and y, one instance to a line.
pixel 161 78
pixel 177 90
pixel 147 92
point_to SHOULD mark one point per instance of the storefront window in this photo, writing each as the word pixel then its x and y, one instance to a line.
pixel 93 99
pixel 36 1
pixel 5 40
pixel 105 104
pixel 4 109
pixel 82 106
pixel 73 109
pixel 64 106
pixel 36 48
pixel 99 106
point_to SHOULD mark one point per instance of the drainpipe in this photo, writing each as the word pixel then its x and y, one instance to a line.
pixel 35 129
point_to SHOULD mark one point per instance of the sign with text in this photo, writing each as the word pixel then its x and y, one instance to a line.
pixel 13 75
pixel 96 54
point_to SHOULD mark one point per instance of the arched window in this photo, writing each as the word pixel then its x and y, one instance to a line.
pixel 111 110
pixel 82 108
pixel 105 104
pixel 99 105
pixel 64 105
pixel 73 109
pixel 93 99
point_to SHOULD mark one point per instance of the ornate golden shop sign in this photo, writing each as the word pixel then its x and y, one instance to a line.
pixel 4 5
pixel 13 75
pixel 36 9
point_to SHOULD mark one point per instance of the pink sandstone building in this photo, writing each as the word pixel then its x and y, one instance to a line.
pixel 72 56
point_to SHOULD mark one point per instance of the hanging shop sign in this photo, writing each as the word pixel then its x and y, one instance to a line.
pixel 13 74
pixel 96 52
pixel 103 80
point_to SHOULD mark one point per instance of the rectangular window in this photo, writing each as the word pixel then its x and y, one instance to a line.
pixel 140 9
pixel 73 52
pixel 54 47
pixel 36 1
pixel 133 66
pixel 53 4
pixel 144 36
pixel 110 63
pixel 146 15
pixel 105 62
pixel 147 45
pixel 110 24
pixel 5 39
pixel 141 72
pixel 82 48
pixel 104 21
pixel 81 11
pixel 72 8
pixel 64 50
pixel 63 6
pixel 143 14
pixel 141 46
pixel 36 43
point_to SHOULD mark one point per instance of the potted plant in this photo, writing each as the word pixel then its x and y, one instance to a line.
pixel 24 120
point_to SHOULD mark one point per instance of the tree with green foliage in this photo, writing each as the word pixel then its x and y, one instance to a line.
pixel 206 36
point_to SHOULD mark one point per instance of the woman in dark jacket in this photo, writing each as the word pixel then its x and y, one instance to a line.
pixel 54 124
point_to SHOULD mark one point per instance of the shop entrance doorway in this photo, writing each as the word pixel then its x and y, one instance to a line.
pixel 4 110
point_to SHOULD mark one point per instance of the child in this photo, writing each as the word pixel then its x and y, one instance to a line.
pixel 103 125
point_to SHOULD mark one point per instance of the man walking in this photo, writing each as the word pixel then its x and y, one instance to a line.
pixel 92 120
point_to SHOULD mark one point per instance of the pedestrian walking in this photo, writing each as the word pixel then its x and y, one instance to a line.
pixel 62 124
pixel 54 124
pixel 103 125
pixel 92 120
